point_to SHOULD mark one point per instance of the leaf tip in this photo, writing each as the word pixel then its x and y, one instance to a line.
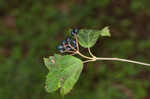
pixel 105 31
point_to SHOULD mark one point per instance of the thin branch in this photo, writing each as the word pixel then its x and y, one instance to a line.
pixel 88 61
pixel 73 54
pixel 84 55
pixel 72 47
pixel 90 52
pixel 94 58
pixel 124 60
pixel 68 51
pixel 77 43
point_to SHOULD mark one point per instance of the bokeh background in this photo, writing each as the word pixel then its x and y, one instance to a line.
pixel 31 30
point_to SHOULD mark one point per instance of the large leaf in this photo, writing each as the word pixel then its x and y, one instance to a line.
pixel 88 37
pixel 63 74
pixel 72 73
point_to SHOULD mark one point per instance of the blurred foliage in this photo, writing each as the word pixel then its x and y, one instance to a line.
pixel 31 29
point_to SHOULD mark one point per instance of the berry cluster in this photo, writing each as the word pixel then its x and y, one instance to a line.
pixel 69 44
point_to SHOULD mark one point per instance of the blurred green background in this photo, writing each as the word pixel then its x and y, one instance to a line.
pixel 31 30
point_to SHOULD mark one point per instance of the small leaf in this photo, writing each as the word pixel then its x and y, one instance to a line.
pixel 105 32
pixel 88 37
pixel 63 74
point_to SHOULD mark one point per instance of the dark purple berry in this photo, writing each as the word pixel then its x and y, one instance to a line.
pixel 60 47
pixel 68 39
pixel 73 43
pixel 63 42
pixel 74 32
pixel 68 48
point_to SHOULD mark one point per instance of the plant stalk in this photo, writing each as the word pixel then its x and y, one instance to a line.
pixel 124 60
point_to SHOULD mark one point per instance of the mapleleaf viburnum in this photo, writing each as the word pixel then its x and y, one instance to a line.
pixel 64 70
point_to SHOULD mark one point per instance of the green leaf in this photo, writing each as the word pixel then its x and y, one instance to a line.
pixel 52 81
pixel 49 62
pixel 63 74
pixel 74 73
pixel 105 32
pixel 88 37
